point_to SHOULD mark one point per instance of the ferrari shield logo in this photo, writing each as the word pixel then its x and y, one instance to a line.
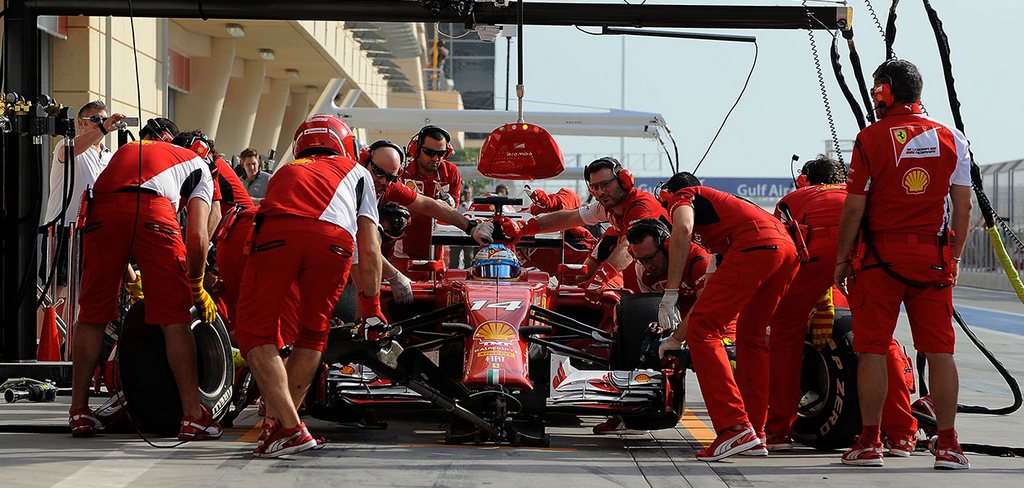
pixel 901 136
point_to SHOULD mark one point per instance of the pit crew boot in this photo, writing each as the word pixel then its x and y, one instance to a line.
pixel 863 454
pixel 199 429
pixel 283 441
pixel 83 422
pixel 900 446
pixel 949 457
pixel 757 451
pixel 728 443
pixel 779 443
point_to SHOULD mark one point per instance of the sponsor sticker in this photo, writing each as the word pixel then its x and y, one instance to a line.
pixel 915 181
pixel 495 331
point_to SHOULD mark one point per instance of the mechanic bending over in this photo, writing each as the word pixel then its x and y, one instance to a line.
pixel 648 246
pixel 317 208
pixel 903 168
pixel 125 211
pixel 384 161
pixel 430 173
pixel 618 202
pixel 813 212
pixel 758 262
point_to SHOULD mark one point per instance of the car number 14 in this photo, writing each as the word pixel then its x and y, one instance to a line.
pixel 508 306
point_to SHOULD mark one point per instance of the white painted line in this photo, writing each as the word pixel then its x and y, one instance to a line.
pixel 115 470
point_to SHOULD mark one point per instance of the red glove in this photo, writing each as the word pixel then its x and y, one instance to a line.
pixel 597 284
pixel 515 230
pixel 373 326
pixel 541 199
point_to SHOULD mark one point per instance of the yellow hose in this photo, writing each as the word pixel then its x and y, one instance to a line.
pixel 1004 258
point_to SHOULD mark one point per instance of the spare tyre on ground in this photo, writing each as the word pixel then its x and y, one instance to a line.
pixel 146 379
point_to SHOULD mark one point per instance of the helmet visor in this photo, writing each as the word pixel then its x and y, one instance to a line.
pixel 496 271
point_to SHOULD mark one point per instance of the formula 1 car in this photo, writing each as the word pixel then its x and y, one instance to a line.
pixel 500 351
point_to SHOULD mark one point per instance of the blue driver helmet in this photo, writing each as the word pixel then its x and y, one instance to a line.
pixel 496 261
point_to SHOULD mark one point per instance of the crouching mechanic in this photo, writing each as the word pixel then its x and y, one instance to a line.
pixel 618 202
pixel 318 210
pixel 384 161
pixel 813 211
pixel 132 215
pixel 903 168
pixel 758 262
pixel 648 245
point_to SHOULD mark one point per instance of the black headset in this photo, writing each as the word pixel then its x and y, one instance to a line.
pixel 654 228
pixel 383 143
pixel 160 131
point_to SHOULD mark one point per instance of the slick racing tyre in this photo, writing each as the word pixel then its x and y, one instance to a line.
pixel 634 314
pixel 829 414
pixel 146 379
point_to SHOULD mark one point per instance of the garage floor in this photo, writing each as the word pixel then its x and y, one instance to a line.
pixel 411 453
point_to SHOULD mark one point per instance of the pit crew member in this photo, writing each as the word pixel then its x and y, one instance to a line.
pixel 316 210
pixel 128 216
pixel 648 245
pixel 813 211
pixel 618 202
pixel 431 174
pixel 384 161
pixel 903 168
pixel 759 260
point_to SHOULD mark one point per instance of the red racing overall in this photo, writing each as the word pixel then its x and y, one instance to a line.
pixel 305 237
pixel 759 261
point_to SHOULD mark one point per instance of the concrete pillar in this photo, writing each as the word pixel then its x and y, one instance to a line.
pixel 298 110
pixel 239 114
pixel 269 116
pixel 201 107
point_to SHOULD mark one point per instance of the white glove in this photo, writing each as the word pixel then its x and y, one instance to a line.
pixel 446 198
pixel 401 288
pixel 483 232
pixel 668 344
pixel 668 312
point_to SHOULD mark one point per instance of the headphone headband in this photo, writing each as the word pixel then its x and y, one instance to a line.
pixel 384 143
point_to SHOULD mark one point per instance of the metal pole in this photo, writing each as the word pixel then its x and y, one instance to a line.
pixel 22 191
pixel 622 100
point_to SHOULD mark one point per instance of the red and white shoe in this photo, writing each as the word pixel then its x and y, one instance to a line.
pixel 283 441
pixel 902 447
pixel 951 459
pixel 863 454
pixel 728 443
pixel 779 443
pixel 757 451
pixel 83 422
pixel 199 429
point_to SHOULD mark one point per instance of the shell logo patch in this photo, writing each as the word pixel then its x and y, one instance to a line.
pixel 901 135
pixel 495 331
pixel 915 181
pixel 642 378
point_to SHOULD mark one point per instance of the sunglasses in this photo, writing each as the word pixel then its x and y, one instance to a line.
pixel 96 119
pixel 601 185
pixel 380 173
pixel 439 153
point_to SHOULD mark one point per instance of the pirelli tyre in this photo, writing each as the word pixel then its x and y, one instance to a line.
pixel 146 380
pixel 634 314
pixel 829 414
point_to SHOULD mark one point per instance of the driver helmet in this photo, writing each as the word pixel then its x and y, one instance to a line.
pixel 496 261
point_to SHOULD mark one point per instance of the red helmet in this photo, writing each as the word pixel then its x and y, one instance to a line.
pixel 324 131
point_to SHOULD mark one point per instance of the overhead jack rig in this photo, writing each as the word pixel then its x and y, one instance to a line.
pixel 23 159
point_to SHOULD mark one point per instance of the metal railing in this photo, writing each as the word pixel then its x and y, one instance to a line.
pixel 978 255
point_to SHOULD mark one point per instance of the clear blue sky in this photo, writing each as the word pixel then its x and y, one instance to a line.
pixel 693 83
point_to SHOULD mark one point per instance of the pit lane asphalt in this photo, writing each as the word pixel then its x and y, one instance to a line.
pixel 411 452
